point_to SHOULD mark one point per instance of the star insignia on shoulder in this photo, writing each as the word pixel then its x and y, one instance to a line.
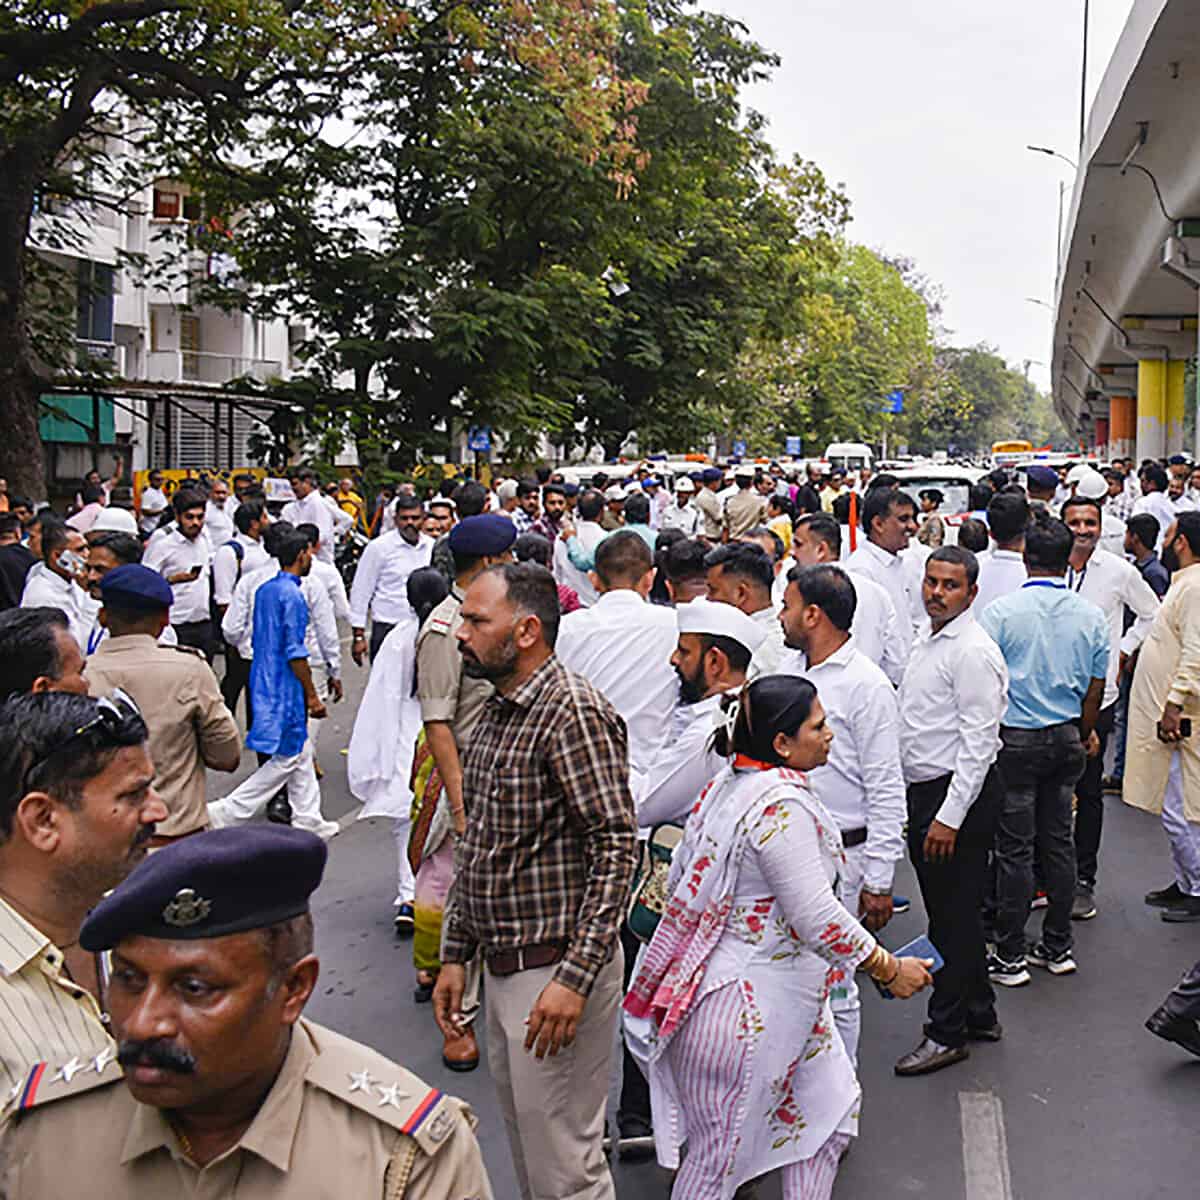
pixel 360 1081
pixel 389 1095
pixel 68 1071
pixel 101 1061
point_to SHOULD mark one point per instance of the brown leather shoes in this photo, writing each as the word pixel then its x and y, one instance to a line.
pixel 461 1053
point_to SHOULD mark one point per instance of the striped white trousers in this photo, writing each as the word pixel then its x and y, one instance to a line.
pixel 709 1064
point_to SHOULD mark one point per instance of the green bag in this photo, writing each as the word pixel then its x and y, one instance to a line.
pixel 650 883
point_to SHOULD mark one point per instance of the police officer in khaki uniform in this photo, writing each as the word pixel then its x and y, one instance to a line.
pixel 745 508
pixel 451 704
pixel 708 504
pixel 190 726
pixel 228 1091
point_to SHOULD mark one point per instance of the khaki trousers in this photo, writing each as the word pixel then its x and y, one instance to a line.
pixel 554 1109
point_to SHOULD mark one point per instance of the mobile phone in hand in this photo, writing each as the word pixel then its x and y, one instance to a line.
pixel 1185 727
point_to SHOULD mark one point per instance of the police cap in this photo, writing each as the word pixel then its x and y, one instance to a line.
pixel 487 533
pixel 211 884
pixel 137 587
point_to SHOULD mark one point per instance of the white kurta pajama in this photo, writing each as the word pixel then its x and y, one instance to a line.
pixel 1161 777
pixel 747 1068
pixel 379 761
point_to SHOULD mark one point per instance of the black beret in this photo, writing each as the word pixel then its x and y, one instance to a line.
pixel 487 533
pixel 211 884
pixel 135 586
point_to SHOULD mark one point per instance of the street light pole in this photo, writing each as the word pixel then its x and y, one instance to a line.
pixel 1083 77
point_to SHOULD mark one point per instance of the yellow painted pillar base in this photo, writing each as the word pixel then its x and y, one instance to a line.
pixel 1160 405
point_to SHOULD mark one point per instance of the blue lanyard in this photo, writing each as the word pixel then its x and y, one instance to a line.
pixel 1050 583
pixel 94 639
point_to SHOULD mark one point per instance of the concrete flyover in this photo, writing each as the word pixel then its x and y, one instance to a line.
pixel 1129 271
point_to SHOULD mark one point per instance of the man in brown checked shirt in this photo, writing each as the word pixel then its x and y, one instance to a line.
pixel 542 876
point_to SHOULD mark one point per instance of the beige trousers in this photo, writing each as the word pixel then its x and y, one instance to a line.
pixel 554 1109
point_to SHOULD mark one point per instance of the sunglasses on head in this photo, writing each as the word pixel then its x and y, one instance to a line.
pixel 112 714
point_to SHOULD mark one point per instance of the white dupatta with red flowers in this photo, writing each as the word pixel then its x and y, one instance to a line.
pixel 702 882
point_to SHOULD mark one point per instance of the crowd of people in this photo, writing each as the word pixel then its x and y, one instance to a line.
pixel 651 748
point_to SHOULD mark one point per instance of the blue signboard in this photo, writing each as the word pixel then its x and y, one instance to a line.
pixel 739 448
pixel 792 446
pixel 479 439
pixel 894 403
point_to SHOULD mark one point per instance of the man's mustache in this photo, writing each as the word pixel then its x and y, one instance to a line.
pixel 156 1053
pixel 144 834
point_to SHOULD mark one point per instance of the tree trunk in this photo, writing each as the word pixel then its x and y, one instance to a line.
pixel 22 462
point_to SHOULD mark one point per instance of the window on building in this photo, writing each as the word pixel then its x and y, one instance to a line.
pixel 167 204
pixel 94 302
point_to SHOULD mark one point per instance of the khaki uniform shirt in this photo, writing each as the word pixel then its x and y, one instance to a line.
pixel 44 1016
pixel 340 1121
pixel 743 511
pixel 182 706
pixel 710 507
pixel 445 693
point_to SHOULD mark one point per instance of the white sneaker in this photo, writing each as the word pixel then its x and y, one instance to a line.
pixel 325 830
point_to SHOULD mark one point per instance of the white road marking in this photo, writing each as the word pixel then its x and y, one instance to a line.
pixel 985 1147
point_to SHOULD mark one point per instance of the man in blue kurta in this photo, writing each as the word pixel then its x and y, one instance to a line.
pixel 284 697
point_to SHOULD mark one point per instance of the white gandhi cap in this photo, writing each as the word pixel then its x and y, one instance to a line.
pixel 720 620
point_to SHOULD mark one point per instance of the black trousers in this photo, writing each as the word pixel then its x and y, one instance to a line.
pixel 379 630
pixel 1184 998
pixel 953 893
pixel 235 681
pixel 635 1089
pixel 198 635
pixel 1089 808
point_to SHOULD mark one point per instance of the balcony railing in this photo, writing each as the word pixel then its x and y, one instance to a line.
pixel 201 366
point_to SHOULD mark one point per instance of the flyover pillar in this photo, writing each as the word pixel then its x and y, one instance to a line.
pixel 1122 426
pixel 1160 405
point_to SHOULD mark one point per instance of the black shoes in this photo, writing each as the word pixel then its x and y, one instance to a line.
pixel 930 1056
pixel 1180 1030
pixel 990 1033
pixel 1185 910
pixel 1083 907
pixel 404 921
pixel 278 809
pixel 1165 897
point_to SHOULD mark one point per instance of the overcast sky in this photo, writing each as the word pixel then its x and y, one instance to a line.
pixel 923 111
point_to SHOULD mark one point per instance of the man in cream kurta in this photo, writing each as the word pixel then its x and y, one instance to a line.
pixel 1164 775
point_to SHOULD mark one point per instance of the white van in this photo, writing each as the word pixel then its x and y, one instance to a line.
pixel 850 456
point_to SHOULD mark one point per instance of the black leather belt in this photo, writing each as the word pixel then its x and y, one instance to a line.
pixel 854 837
pixel 525 958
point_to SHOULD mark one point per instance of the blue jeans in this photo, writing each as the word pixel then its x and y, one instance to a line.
pixel 1038 770
pixel 1121 725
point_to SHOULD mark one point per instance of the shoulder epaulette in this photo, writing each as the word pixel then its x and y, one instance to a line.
pixel 46 1083
pixel 186 650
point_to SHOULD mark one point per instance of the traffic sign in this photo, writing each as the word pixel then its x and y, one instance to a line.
pixel 793 446
pixel 739 448
pixel 479 439
pixel 894 403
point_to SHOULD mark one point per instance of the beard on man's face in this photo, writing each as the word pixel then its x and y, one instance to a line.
pixel 691 687
pixel 501 667
pixel 1170 559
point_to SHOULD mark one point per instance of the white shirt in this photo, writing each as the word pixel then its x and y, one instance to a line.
pixel 171 554
pixel 1159 506
pixel 1112 534
pixel 217 524
pixel 889 571
pixel 766 659
pixel 313 510
pixel 154 504
pixel 877 628
pixel 342 520
pixel 1003 572
pixel 45 589
pixel 862 784
pixel 321 636
pixel 380 585
pixel 954 694
pixel 622 645
pixel 333 583
pixel 590 535
pixel 683 766
pixel 237 626
pixel 1111 584
pixel 226 569
pixel 685 517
